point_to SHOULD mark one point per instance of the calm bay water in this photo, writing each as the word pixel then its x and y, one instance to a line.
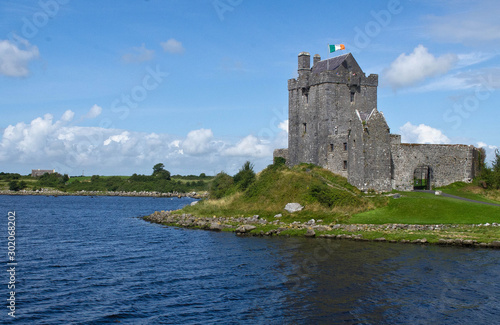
pixel 84 260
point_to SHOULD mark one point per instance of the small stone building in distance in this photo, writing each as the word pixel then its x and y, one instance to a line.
pixel 40 172
pixel 334 123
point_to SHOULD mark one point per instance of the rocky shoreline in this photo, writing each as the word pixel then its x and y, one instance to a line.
pixel 249 226
pixel 48 192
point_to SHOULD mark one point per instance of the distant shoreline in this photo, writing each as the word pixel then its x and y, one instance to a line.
pixel 193 195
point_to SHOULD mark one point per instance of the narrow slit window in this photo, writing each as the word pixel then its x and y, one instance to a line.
pixel 352 96
pixel 345 146
pixel 345 164
pixel 331 146
pixel 304 127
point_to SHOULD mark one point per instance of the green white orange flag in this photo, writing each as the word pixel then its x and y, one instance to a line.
pixel 336 47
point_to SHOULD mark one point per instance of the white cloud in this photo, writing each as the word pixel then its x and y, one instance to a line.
pixel 94 112
pixel 410 69
pixel 139 54
pixel 490 150
pixel 283 126
pixel 14 59
pixel 118 138
pixel 483 80
pixel 249 146
pixel 172 46
pixel 68 116
pixel 476 23
pixel 422 134
pixel 49 143
pixel 198 142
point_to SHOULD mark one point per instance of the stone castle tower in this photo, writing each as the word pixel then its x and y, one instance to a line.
pixel 334 123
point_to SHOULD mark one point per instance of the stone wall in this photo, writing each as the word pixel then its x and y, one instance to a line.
pixel 447 163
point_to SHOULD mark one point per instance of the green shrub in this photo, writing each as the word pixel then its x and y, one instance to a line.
pixel 221 185
pixel 245 177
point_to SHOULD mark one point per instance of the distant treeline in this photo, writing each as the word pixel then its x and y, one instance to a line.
pixel 159 181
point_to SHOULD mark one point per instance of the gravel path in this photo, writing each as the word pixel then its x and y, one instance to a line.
pixel 458 198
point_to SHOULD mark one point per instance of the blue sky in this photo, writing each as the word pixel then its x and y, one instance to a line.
pixel 101 88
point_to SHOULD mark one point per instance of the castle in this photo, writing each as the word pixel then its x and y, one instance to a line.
pixel 334 123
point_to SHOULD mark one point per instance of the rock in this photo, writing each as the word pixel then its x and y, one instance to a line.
pixel 467 242
pixel 245 228
pixel 396 196
pixel 321 228
pixel 293 207
pixel 194 203
pixel 310 233
pixel 495 244
pixel 438 193
pixel 215 226
pixel 380 239
pixel 278 215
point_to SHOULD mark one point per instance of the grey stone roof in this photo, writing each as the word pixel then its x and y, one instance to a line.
pixel 332 64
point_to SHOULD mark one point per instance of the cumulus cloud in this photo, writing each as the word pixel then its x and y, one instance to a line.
pixel 48 142
pixel 118 138
pixel 410 69
pixel 422 134
pixel 94 112
pixel 15 58
pixel 283 126
pixel 172 46
pixel 198 142
pixel 139 54
pixel 249 146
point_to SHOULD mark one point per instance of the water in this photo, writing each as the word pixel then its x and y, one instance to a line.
pixel 84 260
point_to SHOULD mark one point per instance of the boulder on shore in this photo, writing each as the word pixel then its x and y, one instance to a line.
pixel 293 207
pixel 245 228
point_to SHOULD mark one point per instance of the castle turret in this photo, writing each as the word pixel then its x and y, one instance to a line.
pixel 316 59
pixel 304 62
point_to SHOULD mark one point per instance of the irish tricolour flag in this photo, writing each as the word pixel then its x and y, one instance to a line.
pixel 338 47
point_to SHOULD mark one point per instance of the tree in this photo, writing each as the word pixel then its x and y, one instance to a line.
pixel 245 176
pixel 160 172
pixel 221 185
pixel 14 186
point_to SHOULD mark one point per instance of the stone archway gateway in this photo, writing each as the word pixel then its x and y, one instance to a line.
pixel 422 178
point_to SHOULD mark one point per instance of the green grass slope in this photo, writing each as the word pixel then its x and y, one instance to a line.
pixel 324 195
pixel 427 208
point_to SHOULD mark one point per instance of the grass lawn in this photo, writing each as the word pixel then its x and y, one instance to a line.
pixel 426 208
pixel 472 192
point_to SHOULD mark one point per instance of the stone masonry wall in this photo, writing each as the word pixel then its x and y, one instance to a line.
pixel 447 163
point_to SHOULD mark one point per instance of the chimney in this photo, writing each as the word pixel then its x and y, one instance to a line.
pixel 304 61
pixel 316 59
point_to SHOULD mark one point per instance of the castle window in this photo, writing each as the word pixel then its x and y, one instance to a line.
pixel 331 146
pixel 304 127
pixel 345 164
pixel 352 96
pixel 345 146
pixel 305 95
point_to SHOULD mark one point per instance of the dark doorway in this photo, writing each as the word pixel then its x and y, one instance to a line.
pixel 421 178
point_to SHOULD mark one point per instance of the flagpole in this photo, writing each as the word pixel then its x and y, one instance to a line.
pixel 328 58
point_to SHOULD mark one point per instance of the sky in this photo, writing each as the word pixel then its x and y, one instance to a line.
pixel 113 88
